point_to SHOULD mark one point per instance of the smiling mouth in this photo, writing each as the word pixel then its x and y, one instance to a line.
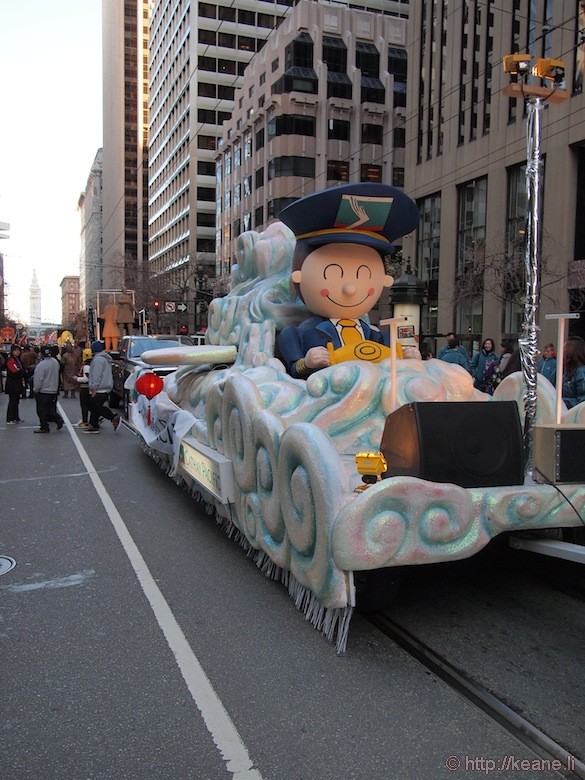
pixel 348 305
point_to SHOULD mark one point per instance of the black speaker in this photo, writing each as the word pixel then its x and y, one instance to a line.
pixel 468 443
pixel 558 453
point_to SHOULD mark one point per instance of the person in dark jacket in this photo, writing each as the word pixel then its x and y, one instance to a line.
pixel 15 384
pixel 483 365
pixel 453 354
pixel 574 373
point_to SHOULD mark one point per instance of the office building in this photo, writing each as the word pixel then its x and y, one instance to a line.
pixel 466 162
pixel 89 206
pixel 69 300
pixel 125 142
pixel 199 54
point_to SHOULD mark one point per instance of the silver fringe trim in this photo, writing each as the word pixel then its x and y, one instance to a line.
pixel 332 623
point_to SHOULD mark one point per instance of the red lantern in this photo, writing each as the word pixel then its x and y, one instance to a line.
pixel 149 384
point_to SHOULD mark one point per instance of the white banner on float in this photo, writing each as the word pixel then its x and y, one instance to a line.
pixel 209 468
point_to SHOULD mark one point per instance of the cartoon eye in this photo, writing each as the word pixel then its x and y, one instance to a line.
pixel 364 271
pixel 332 271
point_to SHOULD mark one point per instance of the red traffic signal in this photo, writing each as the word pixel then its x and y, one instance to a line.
pixel 156 305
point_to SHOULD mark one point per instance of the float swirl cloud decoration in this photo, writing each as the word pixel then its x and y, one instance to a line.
pixel 273 457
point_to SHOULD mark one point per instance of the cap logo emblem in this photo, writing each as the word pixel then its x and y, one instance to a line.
pixel 357 212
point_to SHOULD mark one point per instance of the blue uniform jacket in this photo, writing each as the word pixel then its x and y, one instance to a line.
pixel 294 343
pixel 574 388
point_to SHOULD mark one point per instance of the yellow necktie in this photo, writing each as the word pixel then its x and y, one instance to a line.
pixel 349 332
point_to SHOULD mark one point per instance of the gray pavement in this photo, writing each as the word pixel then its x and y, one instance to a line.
pixel 91 689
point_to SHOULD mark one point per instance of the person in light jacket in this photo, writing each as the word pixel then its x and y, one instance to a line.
pixel 101 382
pixel 46 386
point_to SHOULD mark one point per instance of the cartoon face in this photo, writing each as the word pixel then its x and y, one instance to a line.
pixel 342 280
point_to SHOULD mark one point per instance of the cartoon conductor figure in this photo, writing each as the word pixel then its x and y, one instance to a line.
pixel 342 235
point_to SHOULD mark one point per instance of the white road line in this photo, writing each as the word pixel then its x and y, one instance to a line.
pixel 218 722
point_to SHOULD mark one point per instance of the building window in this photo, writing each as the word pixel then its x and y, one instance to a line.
pixel 399 137
pixel 259 140
pixel 397 64
pixel 259 178
pixel 262 78
pixel 259 216
pixel 299 52
pixel 225 92
pixel 372 90
pixel 247 186
pixel 206 193
pixel 206 116
pixel 472 225
pixel 207 142
pixel 205 168
pixel 428 247
pixel 223 116
pixel 277 205
pixel 227 200
pixel 247 221
pixel 367 59
pixel 207 64
pixel 291 166
pixel 237 154
pixel 266 20
pixel 371 173
pixel 338 129
pixel 247 146
pixel 227 40
pixel 337 170
pixel 291 124
pixel 227 13
pixel 246 43
pixel 335 54
pixel 226 66
pixel 397 176
pixel 372 134
pixel 208 37
pixel 204 219
pixel 237 227
pixel 206 90
pixel 275 64
pixel 246 17
pixel 237 193
pixel 339 85
pixel 207 10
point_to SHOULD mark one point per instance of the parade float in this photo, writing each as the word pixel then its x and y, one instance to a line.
pixel 316 476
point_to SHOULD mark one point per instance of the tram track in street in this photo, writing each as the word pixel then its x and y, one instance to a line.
pixel 537 741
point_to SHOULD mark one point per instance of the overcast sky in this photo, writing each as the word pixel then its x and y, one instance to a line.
pixel 50 131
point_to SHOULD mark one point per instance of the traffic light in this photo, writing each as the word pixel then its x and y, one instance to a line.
pixel 156 305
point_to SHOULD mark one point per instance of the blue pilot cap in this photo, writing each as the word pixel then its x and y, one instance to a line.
pixel 365 213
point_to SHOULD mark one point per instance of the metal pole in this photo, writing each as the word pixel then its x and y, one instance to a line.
pixel 528 342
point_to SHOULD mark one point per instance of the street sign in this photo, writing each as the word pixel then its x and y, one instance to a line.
pixel 169 307
pixel 181 307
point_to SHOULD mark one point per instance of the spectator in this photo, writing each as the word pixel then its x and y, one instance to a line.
pixel 505 355
pixel 101 383
pixel 574 371
pixel 15 384
pixel 29 360
pixel 46 387
pixel 70 368
pixel 462 350
pixel 514 364
pixel 548 364
pixel 453 354
pixel 483 366
pixel 83 382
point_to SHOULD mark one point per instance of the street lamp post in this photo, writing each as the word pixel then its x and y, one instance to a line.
pixel 552 71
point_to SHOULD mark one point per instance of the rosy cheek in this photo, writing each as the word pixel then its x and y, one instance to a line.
pixel 371 291
pixel 324 293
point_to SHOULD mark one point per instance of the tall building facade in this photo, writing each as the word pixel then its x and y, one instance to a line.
pixel 69 300
pixel 466 164
pixel 199 53
pixel 89 205
pixel 125 151
pixel 322 103
pixel 35 301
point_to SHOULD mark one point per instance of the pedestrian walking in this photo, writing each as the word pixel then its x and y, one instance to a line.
pixel 574 373
pixel 46 387
pixel 101 382
pixel 15 385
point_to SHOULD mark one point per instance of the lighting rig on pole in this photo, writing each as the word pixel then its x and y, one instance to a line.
pixel 552 72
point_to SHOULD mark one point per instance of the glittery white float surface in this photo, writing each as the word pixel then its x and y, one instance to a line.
pixel 292 443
